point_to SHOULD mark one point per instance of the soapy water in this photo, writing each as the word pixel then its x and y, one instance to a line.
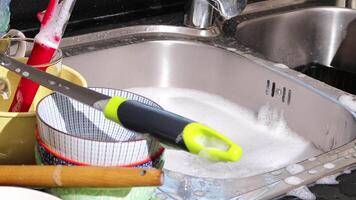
pixel 302 193
pixel 266 141
pixel 329 180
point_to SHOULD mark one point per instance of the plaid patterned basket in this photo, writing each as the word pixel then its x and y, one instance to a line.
pixel 82 135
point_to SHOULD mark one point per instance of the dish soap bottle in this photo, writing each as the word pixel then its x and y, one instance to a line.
pixel 4 16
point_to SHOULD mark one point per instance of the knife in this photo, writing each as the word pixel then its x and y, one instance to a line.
pixel 164 125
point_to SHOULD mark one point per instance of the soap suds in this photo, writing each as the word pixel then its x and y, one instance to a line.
pixel 267 142
pixel 280 65
pixel 302 193
pixel 312 159
pixel 348 101
pixel 51 33
pixel 312 171
pixel 329 166
pixel 295 168
pixel 293 180
pixel 329 180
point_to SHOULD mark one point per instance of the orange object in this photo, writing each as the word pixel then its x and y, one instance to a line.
pixel 78 176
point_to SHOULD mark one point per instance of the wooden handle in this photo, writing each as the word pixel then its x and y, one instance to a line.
pixel 78 176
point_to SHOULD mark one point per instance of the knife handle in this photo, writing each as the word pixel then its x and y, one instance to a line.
pixel 172 128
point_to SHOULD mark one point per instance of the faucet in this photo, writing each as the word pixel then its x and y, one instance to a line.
pixel 351 4
pixel 346 3
pixel 201 12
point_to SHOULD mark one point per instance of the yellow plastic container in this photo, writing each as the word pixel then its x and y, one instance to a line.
pixel 17 138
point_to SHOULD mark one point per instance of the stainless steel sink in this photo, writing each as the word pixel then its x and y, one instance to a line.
pixel 319 42
pixel 181 63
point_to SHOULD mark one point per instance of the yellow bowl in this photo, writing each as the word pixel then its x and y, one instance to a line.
pixel 17 138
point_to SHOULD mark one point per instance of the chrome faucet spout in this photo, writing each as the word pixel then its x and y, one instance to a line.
pixel 201 12
pixel 228 8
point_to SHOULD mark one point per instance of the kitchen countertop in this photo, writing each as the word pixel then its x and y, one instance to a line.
pixel 347 187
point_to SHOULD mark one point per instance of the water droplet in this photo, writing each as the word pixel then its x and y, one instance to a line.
pixel 18 70
pixel 329 180
pixel 280 65
pixel 52 82
pixel 217 183
pixel 302 192
pixel 66 87
pixel 162 196
pixel 275 173
pixel 231 49
pixel 313 171
pixel 91 48
pixel 333 156
pixel 199 193
pixel 312 159
pixel 329 166
pixel 295 168
pixel 5 62
pixel 293 180
pixel 25 74
pixel 5 96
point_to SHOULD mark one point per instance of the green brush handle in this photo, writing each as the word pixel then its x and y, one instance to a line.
pixel 170 127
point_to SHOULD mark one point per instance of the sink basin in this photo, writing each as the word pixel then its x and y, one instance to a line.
pixel 317 41
pixel 198 66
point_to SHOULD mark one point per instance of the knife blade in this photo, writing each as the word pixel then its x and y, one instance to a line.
pixel 164 125
pixel 81 94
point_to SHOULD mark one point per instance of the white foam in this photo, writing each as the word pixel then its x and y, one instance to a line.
pixel 312 159
pixel 329 180
pixel 295 168
pixel 312 171
pixel 266 141
pixel 293 180
pixel 329 166
pixel 302 193
pixel 280 65
pixel 348 101
pixel 55 26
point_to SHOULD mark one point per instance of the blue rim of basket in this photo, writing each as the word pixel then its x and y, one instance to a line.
pixel 40 142
pixel 59 131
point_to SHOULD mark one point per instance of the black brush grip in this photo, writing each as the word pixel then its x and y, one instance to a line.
pixel 163 125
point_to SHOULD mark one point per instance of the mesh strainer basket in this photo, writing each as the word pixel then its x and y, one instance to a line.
pixel 82 135
pixel 72 133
